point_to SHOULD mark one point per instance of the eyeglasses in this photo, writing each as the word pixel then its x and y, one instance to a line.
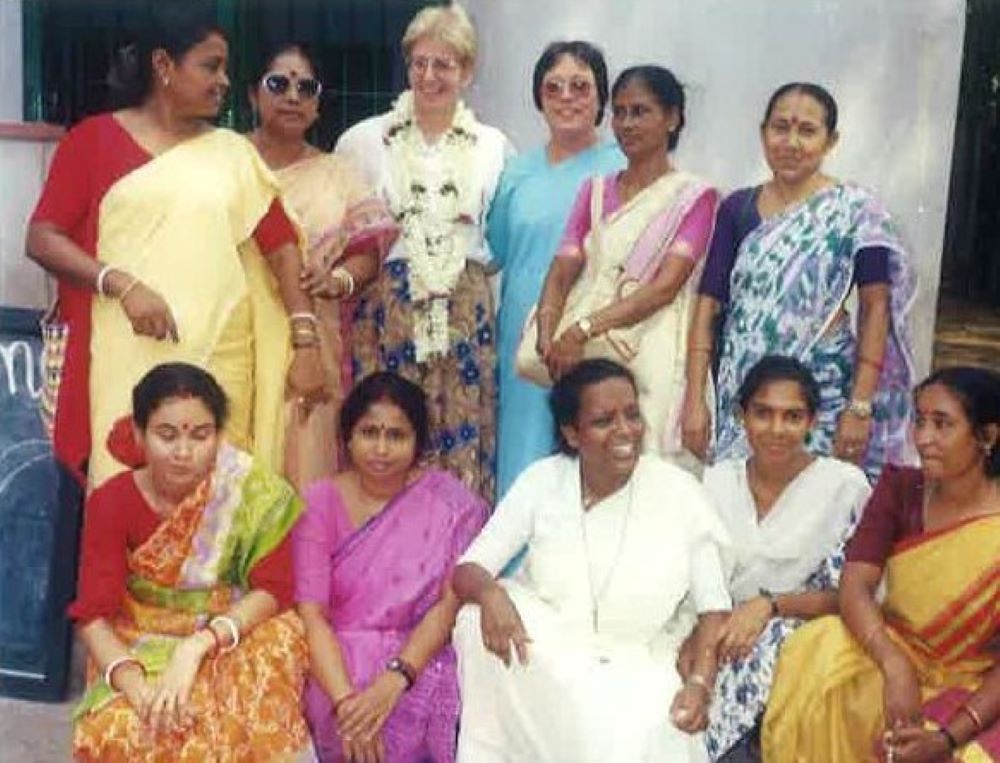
pixel 278 84
pixel 578 87
pixel 433 64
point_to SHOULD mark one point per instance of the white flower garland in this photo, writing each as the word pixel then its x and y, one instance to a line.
pixel 436 210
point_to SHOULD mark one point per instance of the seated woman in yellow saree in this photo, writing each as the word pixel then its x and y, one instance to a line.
pixel 915 679
pixel 169 243
pixel 185 584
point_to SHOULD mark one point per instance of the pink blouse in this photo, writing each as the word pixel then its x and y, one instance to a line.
pixel 695 229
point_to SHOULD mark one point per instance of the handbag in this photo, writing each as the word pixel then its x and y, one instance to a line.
pixel 55 336
pixel 596 288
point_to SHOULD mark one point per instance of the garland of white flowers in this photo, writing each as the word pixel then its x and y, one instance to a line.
pixel 435 208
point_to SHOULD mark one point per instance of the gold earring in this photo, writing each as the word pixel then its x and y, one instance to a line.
pixel 166 81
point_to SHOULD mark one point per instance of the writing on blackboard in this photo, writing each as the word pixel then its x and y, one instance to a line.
pixel 23 375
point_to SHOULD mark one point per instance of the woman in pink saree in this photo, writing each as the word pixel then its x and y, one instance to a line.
pixel 373 554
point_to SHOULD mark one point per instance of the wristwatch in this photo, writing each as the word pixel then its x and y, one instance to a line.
pixel 401 666
pixel 586 326
pixel 863 409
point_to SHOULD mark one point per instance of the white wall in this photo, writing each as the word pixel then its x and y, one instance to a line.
pixel 23 161
pixel 10 61
pixel 892 64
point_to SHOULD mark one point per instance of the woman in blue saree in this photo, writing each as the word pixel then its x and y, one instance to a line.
pixel 525 226
pixel 785 258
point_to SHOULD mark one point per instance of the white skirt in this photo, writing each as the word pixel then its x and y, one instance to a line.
pixel 574 702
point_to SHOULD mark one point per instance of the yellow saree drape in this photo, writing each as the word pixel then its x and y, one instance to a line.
pixel 943 590
pixel 181 224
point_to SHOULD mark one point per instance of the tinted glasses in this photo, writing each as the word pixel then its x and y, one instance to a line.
pixel 577 87
pixel 278 84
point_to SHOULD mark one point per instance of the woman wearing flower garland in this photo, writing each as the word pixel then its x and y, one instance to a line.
pixel 429 316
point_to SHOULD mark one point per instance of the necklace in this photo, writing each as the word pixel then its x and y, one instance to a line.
pixel 597 591
pixel 434 197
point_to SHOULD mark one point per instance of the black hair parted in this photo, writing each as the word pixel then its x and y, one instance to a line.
pixel 386 386
pixel 181 380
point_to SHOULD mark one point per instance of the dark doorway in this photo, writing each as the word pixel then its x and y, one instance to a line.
pixel 968 328
pixel 69 46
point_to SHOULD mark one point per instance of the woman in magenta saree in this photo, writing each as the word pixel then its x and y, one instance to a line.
pixel 373 554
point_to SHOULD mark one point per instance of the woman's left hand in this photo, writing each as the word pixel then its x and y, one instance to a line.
pixel 743 628
pixel 364 714
pixel 306 378
pixel 851 439
pixel 565 352
pixel 689 710
pixel 168 709
pixel 318 280
pixel 918 745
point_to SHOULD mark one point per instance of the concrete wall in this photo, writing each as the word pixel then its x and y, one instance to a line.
pixel 892 64
pixel 23 162
pixel 24 154
pixel 10 61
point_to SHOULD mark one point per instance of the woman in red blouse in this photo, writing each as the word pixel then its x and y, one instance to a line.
pixel 185 584
pixel 155 223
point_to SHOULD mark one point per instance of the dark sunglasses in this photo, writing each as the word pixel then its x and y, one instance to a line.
pixel 278 84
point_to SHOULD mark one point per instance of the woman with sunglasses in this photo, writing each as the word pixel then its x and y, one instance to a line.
pixel 635 237
pixel 429 315
pixel 169 243
pixel 348 230
pixel 570 89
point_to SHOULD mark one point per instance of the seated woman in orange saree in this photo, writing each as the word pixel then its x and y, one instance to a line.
pixel 917 678
pixel 185 581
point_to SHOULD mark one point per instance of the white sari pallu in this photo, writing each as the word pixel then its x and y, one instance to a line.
pixel 600 594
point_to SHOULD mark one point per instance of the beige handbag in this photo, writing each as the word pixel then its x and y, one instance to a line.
pixel 600 284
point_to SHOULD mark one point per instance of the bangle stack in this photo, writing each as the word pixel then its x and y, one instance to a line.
pixel 109 671
pixel 234 631
pixel 304 330
pixel 343 276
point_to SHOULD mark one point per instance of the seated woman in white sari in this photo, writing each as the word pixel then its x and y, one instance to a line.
pixel 792 512
pixel 573 658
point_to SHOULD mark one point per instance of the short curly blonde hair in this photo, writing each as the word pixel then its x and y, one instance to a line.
pixel 449 24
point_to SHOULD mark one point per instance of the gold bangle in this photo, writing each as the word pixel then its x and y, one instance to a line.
pixel 545 309
pixel 125 292
pixel 700 348
pixel 974 716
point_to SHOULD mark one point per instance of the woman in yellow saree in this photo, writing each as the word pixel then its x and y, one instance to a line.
pixel 185 588
pixel 148 220
pixel 917 678
pixel 348 230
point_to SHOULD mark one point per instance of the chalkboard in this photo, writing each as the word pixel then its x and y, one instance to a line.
pixel 39 521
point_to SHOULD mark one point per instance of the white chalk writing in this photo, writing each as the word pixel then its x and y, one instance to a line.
pixel 26 372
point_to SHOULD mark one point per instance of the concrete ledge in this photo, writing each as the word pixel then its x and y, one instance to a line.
pixel 31 131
